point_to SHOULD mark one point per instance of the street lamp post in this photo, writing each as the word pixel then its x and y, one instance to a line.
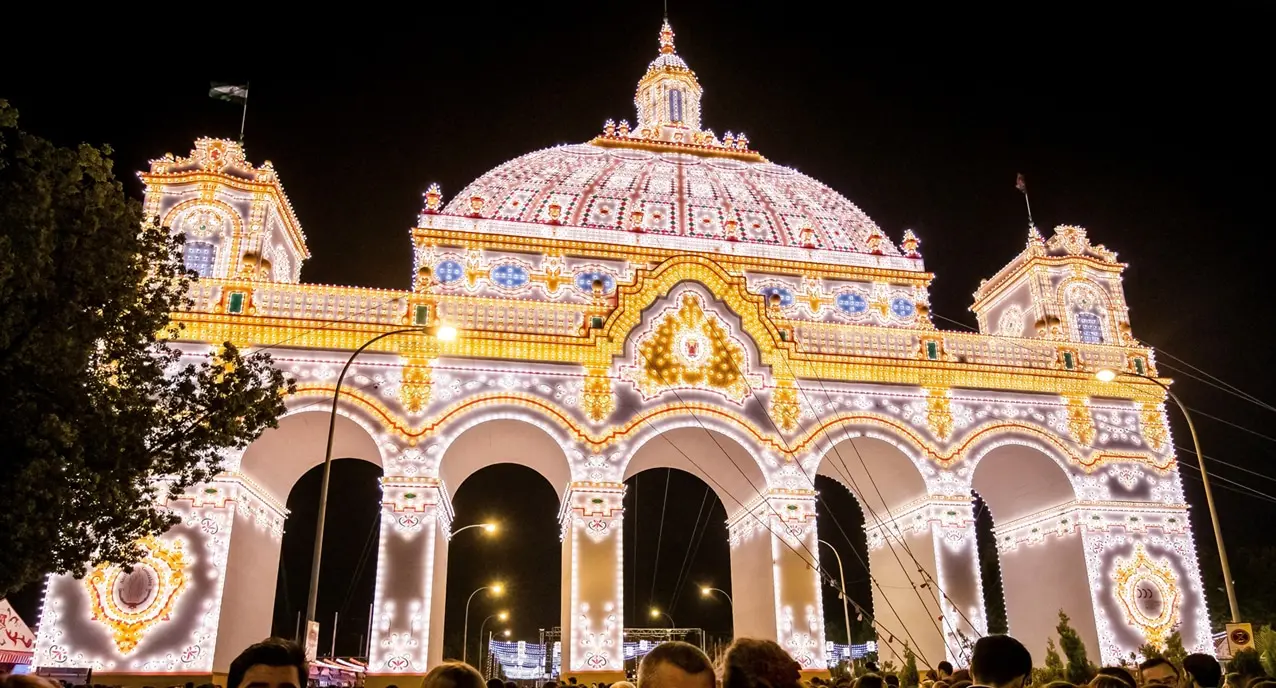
pixel 488 528
pixel 1108 375
pixel 444 333
pixel 499 615
pixel 708 592
pixel 841 574
pixel 496 589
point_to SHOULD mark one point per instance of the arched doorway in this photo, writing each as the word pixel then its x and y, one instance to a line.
pixel 922 593
pixel 511 471
pixel 676 545
pixel 273 464
pixel 1041 557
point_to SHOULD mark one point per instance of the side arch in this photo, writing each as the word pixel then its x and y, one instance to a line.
pixel 1029 492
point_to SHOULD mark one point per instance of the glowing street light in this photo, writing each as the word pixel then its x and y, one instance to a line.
pixel 501 615
pixel 656 614
pixel 440 331
pixel 496 589
pixel 708 592
pixel 1109 375
pixel 488 528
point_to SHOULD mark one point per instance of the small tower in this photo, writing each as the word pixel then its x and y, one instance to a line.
pixel 668 97
pixel 1062 289
pixel 237 221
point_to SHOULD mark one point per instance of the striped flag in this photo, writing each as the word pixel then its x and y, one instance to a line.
pixel 1021 184
pixel 229 92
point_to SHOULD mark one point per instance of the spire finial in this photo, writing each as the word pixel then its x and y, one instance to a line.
pixel 666 36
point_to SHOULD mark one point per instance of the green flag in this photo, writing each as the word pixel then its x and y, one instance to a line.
pixel 231 92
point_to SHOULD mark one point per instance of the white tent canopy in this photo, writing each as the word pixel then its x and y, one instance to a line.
pixel 16 640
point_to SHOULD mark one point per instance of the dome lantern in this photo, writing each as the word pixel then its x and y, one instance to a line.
pixel 668 96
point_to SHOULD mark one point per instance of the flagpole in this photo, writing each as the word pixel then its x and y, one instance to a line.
pixel 1025 195
pixel 244 119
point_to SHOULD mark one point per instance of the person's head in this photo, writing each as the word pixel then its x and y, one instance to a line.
pixel 754 663
pixel 959 675
pixel 1059 684
pixel 1248 664
pixel 945 669
pixel 1231 680
pixel 623 684
pixel 1160 671
pixel 891 680
pixel 551 684
pixel 571 680
pixel 1106 681
pixel 675 664
pixel 511 684
pixel 1001 662
pixel 930 675
pixel 495 683
pixel 869 681
pixel 1203 670
pixel 1120 673
pixel 272 663
pixel 27 681
pixel 960 684
pixel 453 675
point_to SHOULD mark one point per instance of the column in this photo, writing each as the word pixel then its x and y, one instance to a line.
pixel 593 579
pixel 776 534
pixel 408 604
pixel 927 592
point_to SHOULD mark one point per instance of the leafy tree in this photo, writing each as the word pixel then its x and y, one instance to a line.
pixel 1053 670
pixel 1265 644
pixel 1079 669
pixel 1174 650
pixel 97 404
pixel 1248 663
pixel 908 677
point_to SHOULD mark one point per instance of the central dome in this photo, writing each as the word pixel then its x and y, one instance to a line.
pixel 668 176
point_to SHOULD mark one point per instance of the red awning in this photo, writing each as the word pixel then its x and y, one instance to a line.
pixel 11 657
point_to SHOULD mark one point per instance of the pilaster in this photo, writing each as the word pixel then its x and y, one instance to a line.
pixel 593 582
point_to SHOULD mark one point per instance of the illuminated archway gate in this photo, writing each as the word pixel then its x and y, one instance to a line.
pixel 662 297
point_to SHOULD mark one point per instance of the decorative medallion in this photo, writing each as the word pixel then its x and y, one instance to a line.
pixel 1149 594
pixel 130 602
pixel 687 347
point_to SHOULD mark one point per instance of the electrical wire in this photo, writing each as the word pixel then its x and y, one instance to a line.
pixel 1162 352
pixel 692 543
pixel 655 569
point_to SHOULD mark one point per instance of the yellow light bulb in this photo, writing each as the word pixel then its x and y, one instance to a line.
pixel 498 588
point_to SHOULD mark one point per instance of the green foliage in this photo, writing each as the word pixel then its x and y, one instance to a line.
pixel 1079 669
pixel 97 405
pixel 1265 644
pixel 1254 569
pixel 1174 650
pixel 1149 651
pixel 1247 663
pixel 1053 670
pixel 908 677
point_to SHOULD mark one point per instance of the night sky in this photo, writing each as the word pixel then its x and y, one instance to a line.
pixel 1148 130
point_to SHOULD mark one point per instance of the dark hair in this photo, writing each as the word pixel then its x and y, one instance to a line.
pixel 961 684
pixel 1059 684
pixel 1120 673
pixel 275 652
pixel 495 683
pixel 930 675
pixel 1156 662
pixel 571 680
pixel 511 684
pixel 869 681
pixel 998 660
pixel 453 675
pixel 960 675
pixel 945 666
pixel 754 663
pixel 891 680
pixel 685 656
pixel 1203 669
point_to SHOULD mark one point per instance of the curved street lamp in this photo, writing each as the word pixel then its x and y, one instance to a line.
pixel 656 614
pixel 444 333
pixel 503 616
pixel 708 592
pixel 841 574
pixel 488 528
pixel 1109 375
pixel 496 589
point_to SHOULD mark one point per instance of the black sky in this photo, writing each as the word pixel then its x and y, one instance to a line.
pixel 1149 129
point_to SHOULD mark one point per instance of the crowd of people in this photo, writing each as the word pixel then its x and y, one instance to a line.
pixel 997 661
